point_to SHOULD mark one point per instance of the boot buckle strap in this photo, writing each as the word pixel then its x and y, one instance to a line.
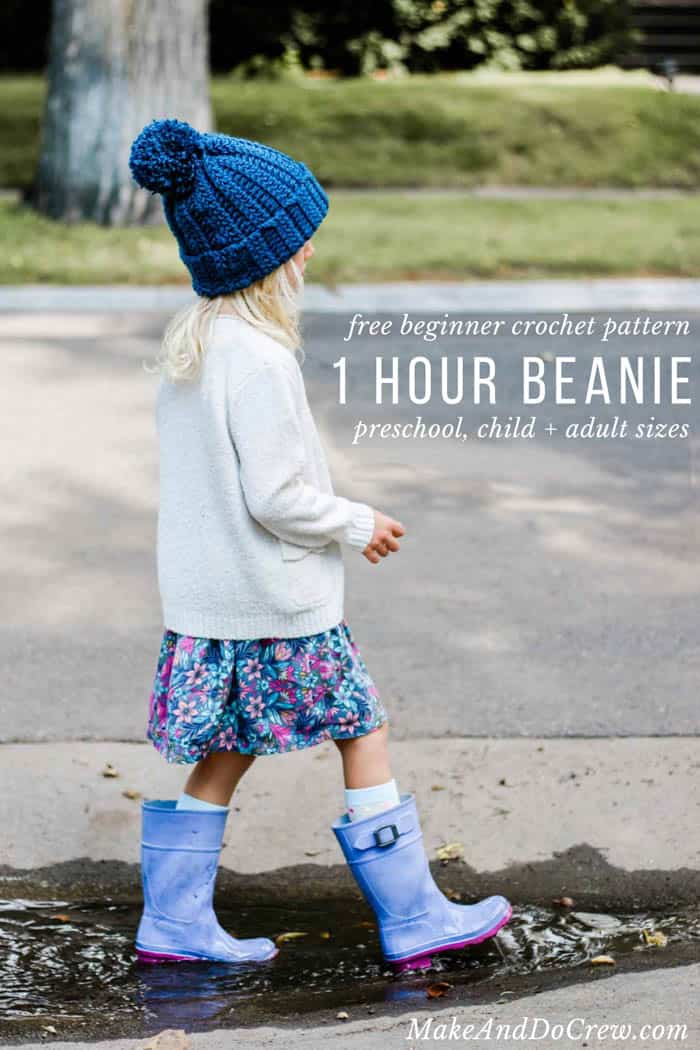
pixel 381 838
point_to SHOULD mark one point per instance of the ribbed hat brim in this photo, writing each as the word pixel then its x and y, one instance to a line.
pixel 223 270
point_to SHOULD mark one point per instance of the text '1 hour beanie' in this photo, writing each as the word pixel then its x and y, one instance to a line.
pixel 239 209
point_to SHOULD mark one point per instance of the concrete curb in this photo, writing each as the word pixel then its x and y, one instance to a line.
pixel 491 297
pixel 634 799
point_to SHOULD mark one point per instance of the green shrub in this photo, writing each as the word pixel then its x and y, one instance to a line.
pixel 432 35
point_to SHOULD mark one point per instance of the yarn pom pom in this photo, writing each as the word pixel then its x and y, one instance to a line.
pixel 164 157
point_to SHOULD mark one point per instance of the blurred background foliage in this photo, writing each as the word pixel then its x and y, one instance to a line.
pixel 355 37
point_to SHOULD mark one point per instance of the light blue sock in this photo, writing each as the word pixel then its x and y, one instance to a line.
pixel 365 802
pixel 186 801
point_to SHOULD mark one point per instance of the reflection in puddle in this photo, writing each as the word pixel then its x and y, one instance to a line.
pixel 67 960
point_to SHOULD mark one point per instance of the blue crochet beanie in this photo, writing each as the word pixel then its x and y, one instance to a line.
pixel 239 209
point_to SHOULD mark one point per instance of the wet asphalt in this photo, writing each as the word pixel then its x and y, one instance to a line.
pixel 68 959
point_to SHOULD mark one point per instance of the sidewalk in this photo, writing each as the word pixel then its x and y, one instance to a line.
pixel 513 804
pixel 492 297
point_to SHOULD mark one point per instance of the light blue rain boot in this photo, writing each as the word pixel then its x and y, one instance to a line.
pixel 179 858
pixel 386 856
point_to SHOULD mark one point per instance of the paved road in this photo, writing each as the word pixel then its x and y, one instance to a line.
pixel 545 587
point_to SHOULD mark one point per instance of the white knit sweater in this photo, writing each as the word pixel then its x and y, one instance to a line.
pixel 249 526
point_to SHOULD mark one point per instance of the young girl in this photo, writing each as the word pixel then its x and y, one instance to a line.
pixel 256 657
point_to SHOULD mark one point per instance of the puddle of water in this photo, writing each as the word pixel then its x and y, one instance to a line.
pixel 68 961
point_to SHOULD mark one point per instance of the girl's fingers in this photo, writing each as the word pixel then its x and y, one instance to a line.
pixel 386 542
pixel 382 546
pixel 398 529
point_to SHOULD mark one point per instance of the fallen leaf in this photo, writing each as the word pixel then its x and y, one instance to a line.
pixel 168 1039
pixel 437 787
pixel 563 902
pixel 109 770
pixel 48 1028
pixel 325 935
pixel 603 960
pixel 342 1015
pixel 450 851
pixel 366 925
pixel 291 935
pixel 131 794
pixel 62 916
pixel 311 852
pixel 606 925
pixel 453 895
pixel 656 937
pixel 438 990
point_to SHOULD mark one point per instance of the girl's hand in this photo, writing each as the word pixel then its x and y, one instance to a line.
pixel 384 539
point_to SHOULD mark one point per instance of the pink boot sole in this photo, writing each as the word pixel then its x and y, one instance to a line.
pixel 161 957
pixel 424 960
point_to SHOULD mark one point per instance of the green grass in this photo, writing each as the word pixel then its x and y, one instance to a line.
pixel 452 130
pixel 379 237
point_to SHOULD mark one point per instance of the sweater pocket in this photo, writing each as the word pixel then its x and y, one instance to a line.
pixel 307 580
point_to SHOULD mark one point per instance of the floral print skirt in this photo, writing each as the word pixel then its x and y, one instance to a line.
pixel 259 696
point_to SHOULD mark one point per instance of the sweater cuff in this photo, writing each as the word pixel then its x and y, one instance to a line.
pixel 359 531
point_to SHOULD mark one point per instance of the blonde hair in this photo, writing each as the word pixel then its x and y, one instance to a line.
pixel 271 304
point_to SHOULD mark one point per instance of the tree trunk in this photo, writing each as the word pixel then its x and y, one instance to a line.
pixel 114 66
